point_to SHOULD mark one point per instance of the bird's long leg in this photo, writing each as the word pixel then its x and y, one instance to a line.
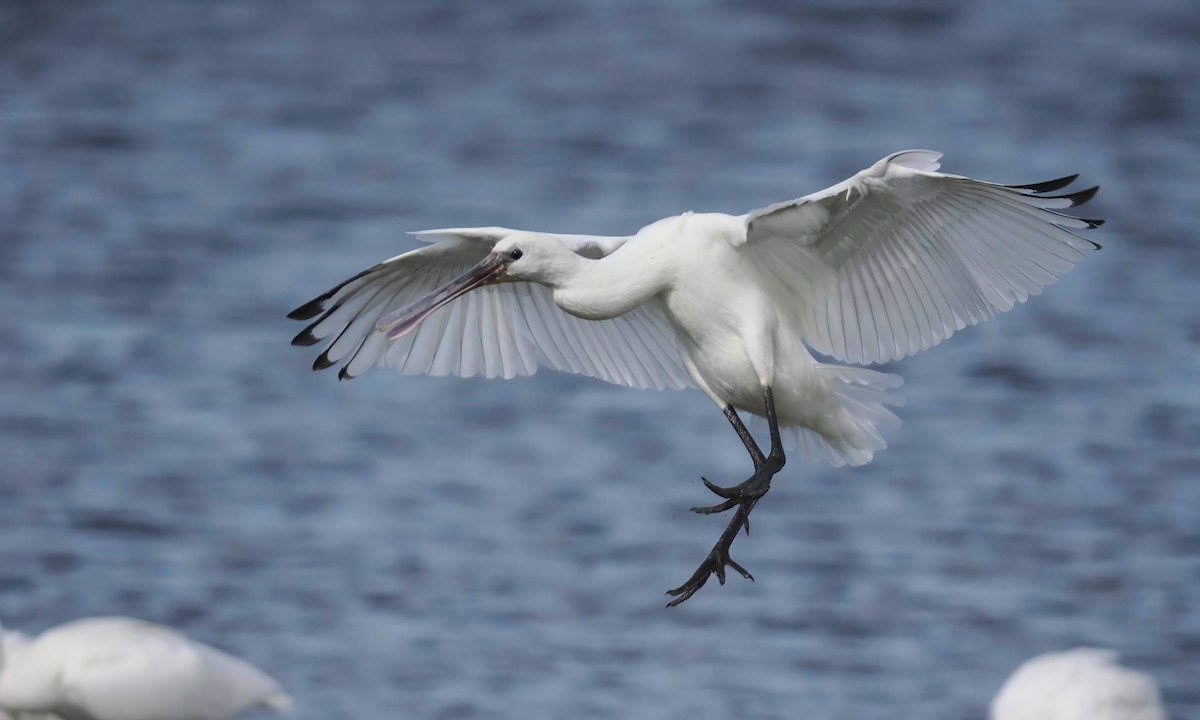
pixel 744 495
pixel 765 468
pixel 756 455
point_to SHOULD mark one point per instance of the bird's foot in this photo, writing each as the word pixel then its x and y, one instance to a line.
pixel 745 493
pixel 734 495
pixel 717 560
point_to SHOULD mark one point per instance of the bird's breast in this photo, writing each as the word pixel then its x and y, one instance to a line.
pixel 712 337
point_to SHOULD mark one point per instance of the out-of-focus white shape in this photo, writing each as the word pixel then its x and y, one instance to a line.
pixel 115 668
pixel 1079 684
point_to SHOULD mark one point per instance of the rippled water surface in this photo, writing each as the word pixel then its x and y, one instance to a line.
pixel 176 176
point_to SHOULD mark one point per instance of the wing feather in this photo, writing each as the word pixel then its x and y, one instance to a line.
pixel 900 257
pixel 500 330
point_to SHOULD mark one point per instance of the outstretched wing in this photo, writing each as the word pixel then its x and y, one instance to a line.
pixel 898 257
pixel 501 330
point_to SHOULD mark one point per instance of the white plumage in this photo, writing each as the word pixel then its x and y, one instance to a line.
pixel 114 668
pixel 1079 684
pixel 887 263
pixel 877 267
pixel 497 331
pixel 899 257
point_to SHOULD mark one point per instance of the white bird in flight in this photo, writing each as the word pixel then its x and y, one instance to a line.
pixel 882 265
pixel 1079 684
pixel 115 668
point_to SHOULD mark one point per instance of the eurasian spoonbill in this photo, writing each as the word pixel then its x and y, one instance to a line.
pixel 884 264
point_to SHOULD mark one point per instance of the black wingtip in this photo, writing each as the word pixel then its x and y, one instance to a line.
pixel 1093 223
pixel 313 307
pixel 308 310
pixel 323 362
pixel 344 374
pixel 1078 198
pixel 305 338
pixel 1048 185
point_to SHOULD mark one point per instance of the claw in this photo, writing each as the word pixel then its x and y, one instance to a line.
pixel 751 489
pixel 689 588
pixel 684 596
pixel 743 571
pixel 714 564
pixel 711 509
pixel 727 493
pixel 735 495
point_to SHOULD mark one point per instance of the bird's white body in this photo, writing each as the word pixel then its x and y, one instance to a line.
pixel 884 264
pixel 114 668
pixel 749 341
pixel 1079 684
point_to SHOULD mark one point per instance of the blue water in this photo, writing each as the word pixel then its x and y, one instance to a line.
pixel 175 176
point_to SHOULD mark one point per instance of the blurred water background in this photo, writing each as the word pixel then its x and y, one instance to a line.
pixel 175 176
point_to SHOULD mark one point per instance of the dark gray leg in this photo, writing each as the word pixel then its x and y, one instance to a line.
pixel 747 439
pixel 765 468
pixel 744 496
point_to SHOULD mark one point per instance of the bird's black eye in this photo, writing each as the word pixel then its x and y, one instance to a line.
pixel 515 254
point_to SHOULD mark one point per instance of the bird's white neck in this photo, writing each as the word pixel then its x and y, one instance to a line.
pixel 607 287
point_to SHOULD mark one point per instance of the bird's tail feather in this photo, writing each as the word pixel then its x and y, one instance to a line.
pixel 864 399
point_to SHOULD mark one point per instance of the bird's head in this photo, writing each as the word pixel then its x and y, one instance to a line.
pixel 533 257
pixel 520 256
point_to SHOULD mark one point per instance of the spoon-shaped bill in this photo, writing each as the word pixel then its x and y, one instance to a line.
pixel 403 321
